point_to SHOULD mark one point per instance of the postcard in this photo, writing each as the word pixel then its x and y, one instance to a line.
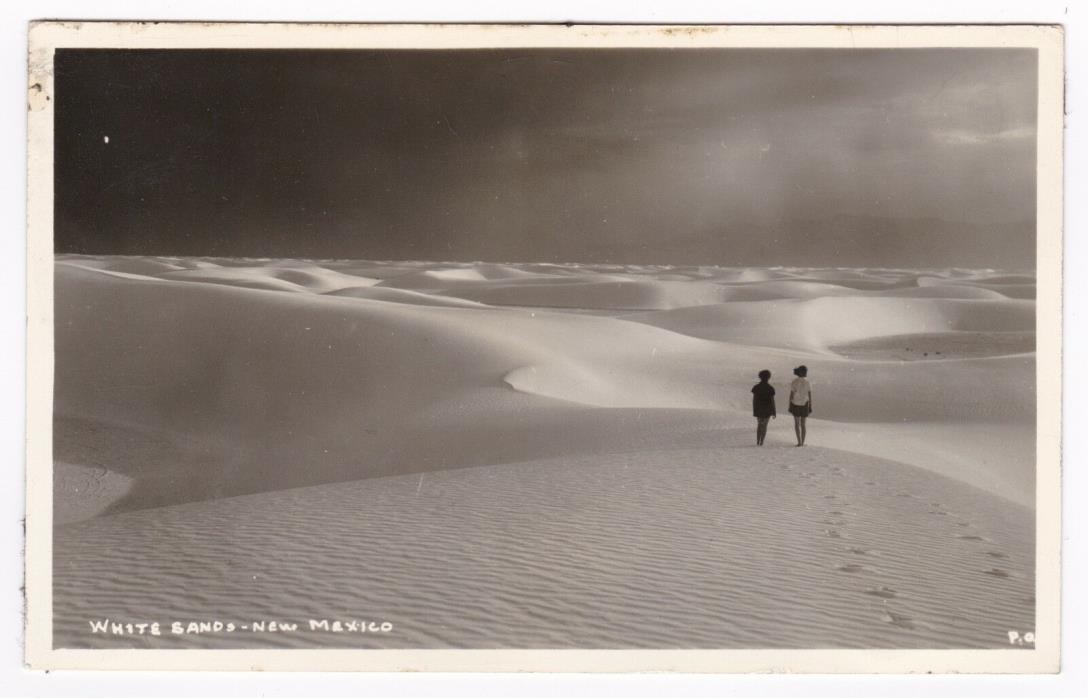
pixel 544 348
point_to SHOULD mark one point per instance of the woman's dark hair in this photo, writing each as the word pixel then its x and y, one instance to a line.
pixel 764 375
pixel 801 371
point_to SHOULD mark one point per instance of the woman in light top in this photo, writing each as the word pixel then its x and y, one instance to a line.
pixel 800 402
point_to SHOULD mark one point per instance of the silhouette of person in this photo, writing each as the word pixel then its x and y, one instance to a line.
pixel 763 405
pixel 800 402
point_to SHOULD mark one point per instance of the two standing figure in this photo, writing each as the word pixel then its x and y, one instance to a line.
pixel 763 407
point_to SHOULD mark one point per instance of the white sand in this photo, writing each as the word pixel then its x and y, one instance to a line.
pixel 531 477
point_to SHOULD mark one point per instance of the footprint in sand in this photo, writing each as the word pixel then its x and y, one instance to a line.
pixel 969 537
pixel 830 496
pixel 832 533
pixel 833 522
pixel 882 592
pixel 851 568
pixel 994 553
pixel 869 482
pixel 963 523
pixel 898 620
pixel 994 572
pixel 905 494
pixel 857 551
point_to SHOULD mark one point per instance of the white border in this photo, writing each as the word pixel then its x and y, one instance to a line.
pixel 45 37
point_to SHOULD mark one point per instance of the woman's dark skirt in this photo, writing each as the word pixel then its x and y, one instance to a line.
pixel 799 410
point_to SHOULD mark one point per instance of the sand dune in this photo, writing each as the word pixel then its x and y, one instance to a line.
pixel 622 295
pixel 315 280
pixel 398 295
pixel 1023 291
pixel 447 280
pixel 646 549
pixel 142 267
pixel 195 396
pixel 1009 286
pixel 821 322
pixel 995 460
pixel 945 291
pixel 271 380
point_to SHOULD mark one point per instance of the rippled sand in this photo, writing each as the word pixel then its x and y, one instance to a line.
pixel 768 547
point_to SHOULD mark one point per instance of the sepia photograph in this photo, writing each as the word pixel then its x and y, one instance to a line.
pixel 516 338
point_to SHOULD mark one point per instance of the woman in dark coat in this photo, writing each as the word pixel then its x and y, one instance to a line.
pixel 763 405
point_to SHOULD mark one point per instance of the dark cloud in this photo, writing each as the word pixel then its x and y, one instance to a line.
pixel 710 156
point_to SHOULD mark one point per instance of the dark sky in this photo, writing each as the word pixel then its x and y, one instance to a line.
pixel 733 156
